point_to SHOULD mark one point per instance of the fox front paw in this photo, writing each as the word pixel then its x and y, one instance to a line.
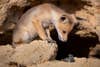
pixel 51 41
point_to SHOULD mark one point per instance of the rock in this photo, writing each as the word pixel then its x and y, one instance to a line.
pixel 5 5
pixel 5 54
pixel 98 32
pixel 27 54
pixel 95 51
pixel 97 14
pixel 34 53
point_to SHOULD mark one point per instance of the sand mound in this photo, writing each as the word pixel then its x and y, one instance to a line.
pixel 36 52
pixel 27 54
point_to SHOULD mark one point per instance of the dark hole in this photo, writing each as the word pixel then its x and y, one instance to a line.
pixel 76 45
pixel 6 38
pixel 26 8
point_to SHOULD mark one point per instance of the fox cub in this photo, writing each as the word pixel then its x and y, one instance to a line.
pixel 36 21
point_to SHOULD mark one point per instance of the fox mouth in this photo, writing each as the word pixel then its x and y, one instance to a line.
pixel 62 39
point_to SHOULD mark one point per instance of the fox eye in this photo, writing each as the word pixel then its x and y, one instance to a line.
pixel 64 19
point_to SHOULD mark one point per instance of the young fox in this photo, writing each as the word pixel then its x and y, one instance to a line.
pixel 36 21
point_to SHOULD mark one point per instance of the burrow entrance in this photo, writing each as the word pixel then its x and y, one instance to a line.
pixel 76 45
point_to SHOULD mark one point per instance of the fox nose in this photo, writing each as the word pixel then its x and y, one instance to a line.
pixel 64 31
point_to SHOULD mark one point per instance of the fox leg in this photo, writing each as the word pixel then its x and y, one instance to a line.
pixel 21 37
pixel 49 37
pixel 48 34
pixel 40 30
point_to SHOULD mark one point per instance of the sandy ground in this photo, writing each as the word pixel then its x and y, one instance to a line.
pixel 7 51
pixel 80 62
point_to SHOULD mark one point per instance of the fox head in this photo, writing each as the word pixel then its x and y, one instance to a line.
pixel 64 26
